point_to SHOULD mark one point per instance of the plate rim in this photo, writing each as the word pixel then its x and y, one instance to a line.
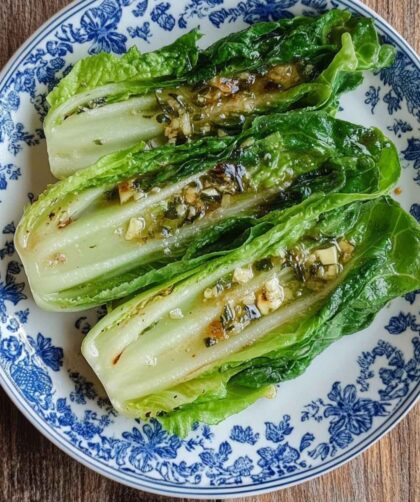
pixel 164 487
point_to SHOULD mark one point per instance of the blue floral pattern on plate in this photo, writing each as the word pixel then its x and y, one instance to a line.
pixel 273 443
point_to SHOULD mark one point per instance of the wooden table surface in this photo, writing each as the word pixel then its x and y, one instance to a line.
pixel 33 469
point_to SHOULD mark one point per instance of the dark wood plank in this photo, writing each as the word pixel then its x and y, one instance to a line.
pixel 32 469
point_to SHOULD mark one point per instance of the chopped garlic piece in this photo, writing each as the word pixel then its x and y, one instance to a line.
pixel 211 193
pixel 347 249
pixel 176 314
pixel 208 293
pixel 286 75
pixel 249 298
pixel 213 292
pixel 242 275
pixel 273 288
pixel 126 191
pixel 205 129
pixel 327 256
pixel 186 124
pixel 332 271
pixel 135 228
pixel 181 210
pixel 139 194
pixel 190 194
pixel 345 246
pixel 320 273
pixel 270 297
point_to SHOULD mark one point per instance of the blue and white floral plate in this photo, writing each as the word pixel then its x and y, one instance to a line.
pixel 350 396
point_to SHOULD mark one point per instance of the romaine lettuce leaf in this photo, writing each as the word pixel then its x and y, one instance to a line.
pixel 139 217
pixel 311 38
pixel 79 129
pixel 105 69
pixel 183 355
pixel 106 103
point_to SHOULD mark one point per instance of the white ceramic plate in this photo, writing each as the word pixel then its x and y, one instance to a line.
pixel 352 394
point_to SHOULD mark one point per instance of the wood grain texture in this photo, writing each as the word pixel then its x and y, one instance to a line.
pixel 32 469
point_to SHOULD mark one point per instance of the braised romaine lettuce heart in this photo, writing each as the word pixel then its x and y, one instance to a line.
pixel 140 217
pixel 204 347
pixel 107 103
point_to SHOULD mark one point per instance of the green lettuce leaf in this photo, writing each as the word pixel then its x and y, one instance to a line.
pixel 178 93
pixel 102 69
pixel 153 364
pixel 74 240
pixel 313 38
